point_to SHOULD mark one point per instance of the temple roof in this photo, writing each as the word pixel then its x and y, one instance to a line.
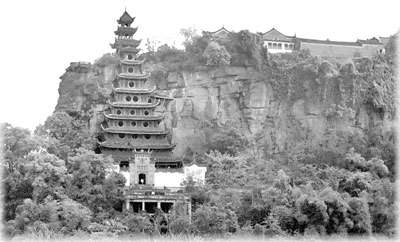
pixel 133 91
pixel 134 76
pixel 131 117
pixel 126 19
pixel 125 42
pixel 275 35
pixel 223 29
pixel 133 105
pixel 128 49
pixel 125 31
pixel 131 62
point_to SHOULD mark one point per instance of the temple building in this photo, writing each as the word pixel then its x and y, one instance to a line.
pixel 276 42
pixel 134 132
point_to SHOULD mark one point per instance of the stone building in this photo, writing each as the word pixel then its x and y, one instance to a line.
pixel 135 135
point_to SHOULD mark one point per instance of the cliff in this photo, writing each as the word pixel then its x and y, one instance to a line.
pixel 292 104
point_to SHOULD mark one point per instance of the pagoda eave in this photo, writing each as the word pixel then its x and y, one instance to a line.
pixel 135 77
pixel 127 42
pixel 122 31
pixel 133 91
pixel 136 118
pixel 153 147
pixel 118 131
pixel 132 105
pixel 132 62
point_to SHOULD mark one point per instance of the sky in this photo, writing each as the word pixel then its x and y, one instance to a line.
pixel 40 38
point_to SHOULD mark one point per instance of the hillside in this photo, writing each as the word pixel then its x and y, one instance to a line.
pixel 282 103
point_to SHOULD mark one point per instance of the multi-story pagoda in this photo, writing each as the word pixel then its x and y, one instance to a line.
pixel 134 131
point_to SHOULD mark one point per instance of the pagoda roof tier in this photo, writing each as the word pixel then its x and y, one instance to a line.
pixel 119 131
pixel 126 19
pixel 134 76
pixel 133 105
pixel 130 117
pixel 133 91
pixel 128 49
pixel 131 62
pixel 125 31
pixel 125 42
pixel 123 146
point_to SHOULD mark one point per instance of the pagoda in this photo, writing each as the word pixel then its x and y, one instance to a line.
pixel 134 133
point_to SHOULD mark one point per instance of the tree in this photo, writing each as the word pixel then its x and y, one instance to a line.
pixel 189 34
pixel 47 174
pixel 229 141
pixel 87 181
pixel 70 132
pixel 212 220
pixel 216 55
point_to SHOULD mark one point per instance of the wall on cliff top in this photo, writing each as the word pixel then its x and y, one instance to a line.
pixel 290 105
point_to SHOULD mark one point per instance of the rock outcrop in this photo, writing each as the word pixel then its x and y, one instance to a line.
pixel 311 103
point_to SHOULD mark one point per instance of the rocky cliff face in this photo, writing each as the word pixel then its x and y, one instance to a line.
pixel 289 105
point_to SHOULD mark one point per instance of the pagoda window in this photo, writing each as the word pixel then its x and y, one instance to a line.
pixel 120 123
pixel 146 112
pixel 134 136
pixel 121 136
pixel 128 98
pixel 135 98
pixel 147 136
pixel 269 45
pixel 130 56
pixel 149 100
pixel 131 84
pixel 286 46
pixel 119 112
pixel 132 112
pixel 130 69
pixel 133 123
pixel 279 45
pixel 145 124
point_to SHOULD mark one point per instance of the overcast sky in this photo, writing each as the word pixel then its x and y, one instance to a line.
pixel 40 38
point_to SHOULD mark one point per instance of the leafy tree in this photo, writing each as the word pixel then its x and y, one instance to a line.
pixel 179 221
pixel 47 175
pixel 71 216
pixel 18 143
pixel 212 220
pixel 86 182
pixel 189 34
pixel 70 132
pixel 229 141
pixel 225 171
pixel 359 216
pixel 216 55
pixel 138 223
